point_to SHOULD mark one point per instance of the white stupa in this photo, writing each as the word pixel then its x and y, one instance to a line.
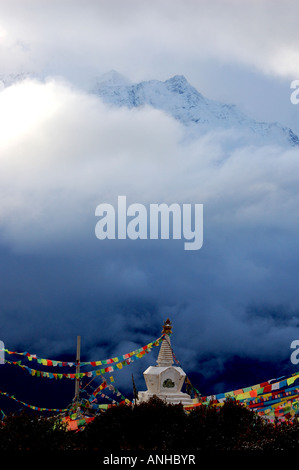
pixel 165 380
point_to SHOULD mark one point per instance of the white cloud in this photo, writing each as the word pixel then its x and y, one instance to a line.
pixel 64 152
pixel 148 39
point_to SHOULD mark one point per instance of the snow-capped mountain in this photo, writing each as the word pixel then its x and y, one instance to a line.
pixel 176 97
pixel 200 115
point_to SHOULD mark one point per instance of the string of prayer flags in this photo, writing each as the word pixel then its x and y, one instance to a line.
pixel 274 399
pixel 255 390
pixel 37 408
pixel 111 387
pixel 113 365
pixel 53 363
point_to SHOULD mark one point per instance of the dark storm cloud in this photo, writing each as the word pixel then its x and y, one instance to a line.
pixel 72 153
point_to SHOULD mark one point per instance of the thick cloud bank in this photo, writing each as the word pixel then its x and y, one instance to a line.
pixel 63 152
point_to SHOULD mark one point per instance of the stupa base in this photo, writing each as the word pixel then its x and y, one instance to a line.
pixel 172 398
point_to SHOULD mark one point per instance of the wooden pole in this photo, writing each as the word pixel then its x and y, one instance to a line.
pixel 77 381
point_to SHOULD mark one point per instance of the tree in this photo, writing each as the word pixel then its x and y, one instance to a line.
pixel 32 432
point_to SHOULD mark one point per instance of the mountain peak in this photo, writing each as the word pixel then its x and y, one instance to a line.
pixel 177 79
pixel 183 102
pixel 178 84
pixel 112 78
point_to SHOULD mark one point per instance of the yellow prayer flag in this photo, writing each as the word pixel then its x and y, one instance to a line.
pixel 291 380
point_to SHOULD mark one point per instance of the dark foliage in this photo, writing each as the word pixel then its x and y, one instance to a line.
pixel 154 426
pixel 32 433
pixel 148 426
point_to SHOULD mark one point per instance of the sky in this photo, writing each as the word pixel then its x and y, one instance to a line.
pixel 234 302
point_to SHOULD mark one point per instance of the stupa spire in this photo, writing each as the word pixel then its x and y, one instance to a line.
pixel 165 357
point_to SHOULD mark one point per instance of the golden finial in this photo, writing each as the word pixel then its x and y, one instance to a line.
pixel 167 327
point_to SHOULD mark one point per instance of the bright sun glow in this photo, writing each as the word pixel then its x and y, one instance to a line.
pixel 22 106
pixel 3 33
